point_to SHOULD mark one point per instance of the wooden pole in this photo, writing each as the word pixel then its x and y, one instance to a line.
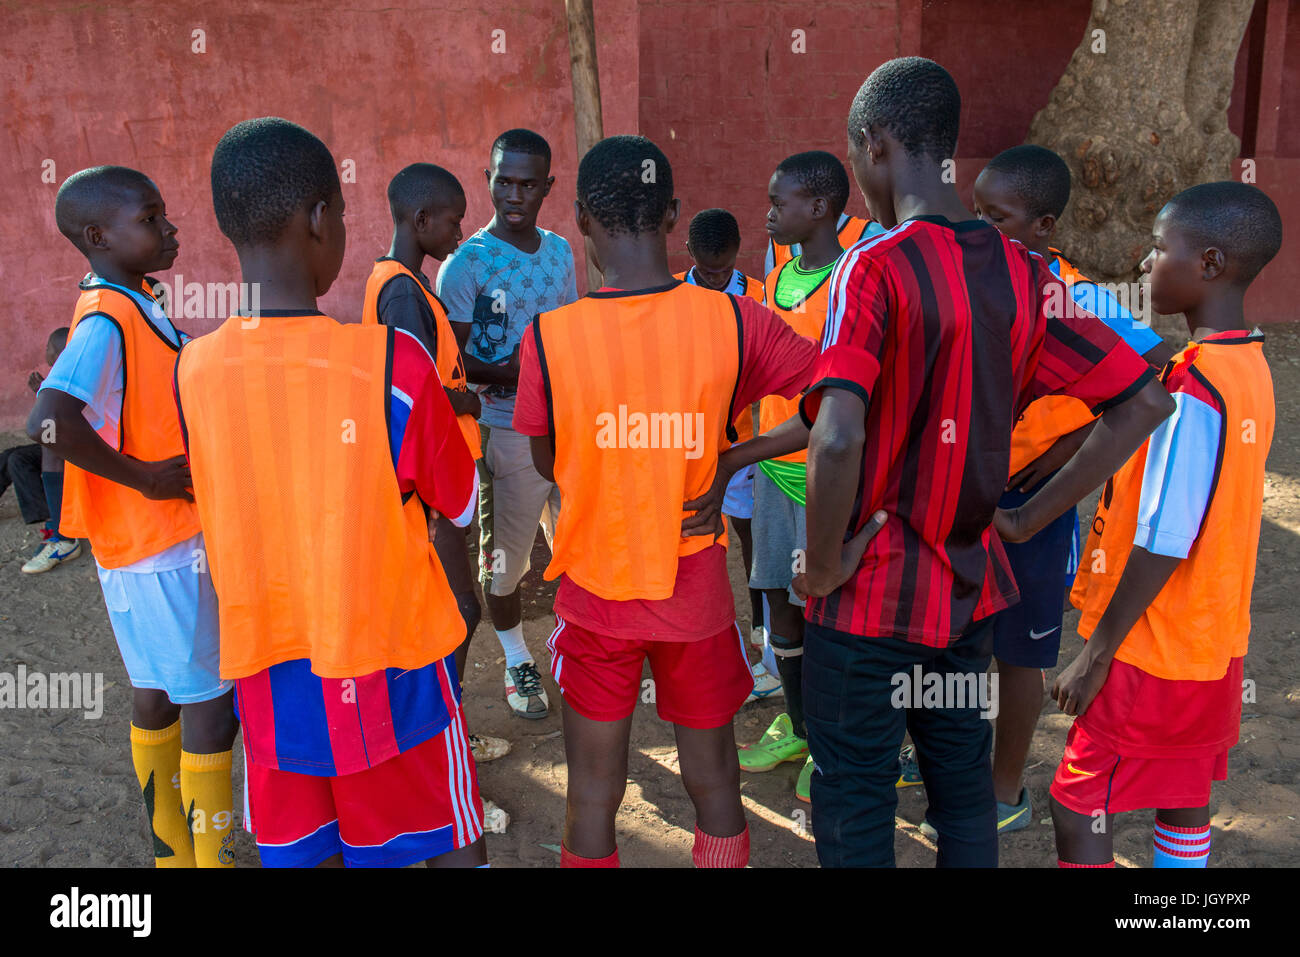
pixel 586 89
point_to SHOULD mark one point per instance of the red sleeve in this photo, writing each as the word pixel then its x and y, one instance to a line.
pixel 1080 356
pixel 854 339
pixel 532 413
pixel 433 461
pixel 776 359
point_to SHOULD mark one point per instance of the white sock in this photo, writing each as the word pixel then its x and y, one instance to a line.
pixel 512 643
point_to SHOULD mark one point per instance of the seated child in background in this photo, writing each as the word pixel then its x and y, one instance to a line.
pixel 56 548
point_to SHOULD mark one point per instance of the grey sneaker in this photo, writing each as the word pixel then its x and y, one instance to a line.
pixel 53 554
pixel 524 691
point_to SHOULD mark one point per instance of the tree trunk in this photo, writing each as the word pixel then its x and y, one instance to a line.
pixel 587 121
pixel 1140 114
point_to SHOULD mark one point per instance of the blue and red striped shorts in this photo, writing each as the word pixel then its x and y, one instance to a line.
pixel 417 805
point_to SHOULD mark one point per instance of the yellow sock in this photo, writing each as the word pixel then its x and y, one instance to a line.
pixel 207 797
pixel 157 759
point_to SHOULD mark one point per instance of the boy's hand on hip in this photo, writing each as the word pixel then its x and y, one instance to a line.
pixel 167 479
pixel 1080 682
pixel 1009 525
pixel 707 519
pixel 817 583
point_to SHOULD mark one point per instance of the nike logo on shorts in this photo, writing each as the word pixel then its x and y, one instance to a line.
pixel 1035 635
pixel 1071 768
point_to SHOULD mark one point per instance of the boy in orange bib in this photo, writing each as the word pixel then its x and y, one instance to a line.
pixel 1165 581
pixel 663 365
pixel 427 204
pixel 106 409
pixel 338 626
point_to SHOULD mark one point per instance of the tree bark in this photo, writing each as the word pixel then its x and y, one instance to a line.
pixel 587 121
pixel 1140 114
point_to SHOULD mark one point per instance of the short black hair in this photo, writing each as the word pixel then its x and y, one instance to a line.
pixel 626 184
pixel 263 172
pixel 821 174
pixel 713 231
pixel 1037 176
pixel 916 100
pixel 91 195
pixel 58 338
pixel 522 141
pixel 421 186
pixel 1237 218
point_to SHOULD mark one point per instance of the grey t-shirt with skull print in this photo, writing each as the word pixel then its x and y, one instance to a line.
pixel 497 289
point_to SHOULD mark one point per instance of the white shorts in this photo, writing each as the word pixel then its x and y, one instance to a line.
pixel 163 610
pixel 738 500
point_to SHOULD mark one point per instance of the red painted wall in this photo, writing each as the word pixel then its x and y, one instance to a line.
pixel 726 97
pixel 85 84
pixel 715 82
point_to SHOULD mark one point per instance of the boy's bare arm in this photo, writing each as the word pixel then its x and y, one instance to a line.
pixel 1060 452
pixel 1119 433
pixel 1145 574
pixel 790 436
pixel 543 456
pixel 58 423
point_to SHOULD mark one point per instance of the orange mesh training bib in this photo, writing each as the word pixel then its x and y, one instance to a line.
pixel 451 370
pixel 123 526
pixel 1201 618
pixel 311 549
pixel 640 389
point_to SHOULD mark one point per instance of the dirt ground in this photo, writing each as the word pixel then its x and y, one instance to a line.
pixel 69 796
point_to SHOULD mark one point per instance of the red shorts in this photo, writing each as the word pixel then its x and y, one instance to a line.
pixel 697 684
pixel 1092 778
pixel 422 803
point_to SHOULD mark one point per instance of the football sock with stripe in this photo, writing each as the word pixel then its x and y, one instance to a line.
pixel 157 759
pixel 710 851
pixel 1180 846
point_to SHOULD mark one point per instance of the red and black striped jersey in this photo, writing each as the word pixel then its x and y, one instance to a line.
pixel 947 331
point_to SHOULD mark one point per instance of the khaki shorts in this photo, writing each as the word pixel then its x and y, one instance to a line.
pixel 513 499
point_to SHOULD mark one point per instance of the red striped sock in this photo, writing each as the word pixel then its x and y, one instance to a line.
pixel 1061 863
pixel 569 859
pixel 710 851
pixel 1180 846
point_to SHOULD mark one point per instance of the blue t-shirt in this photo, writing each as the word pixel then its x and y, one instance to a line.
pixel 497 289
